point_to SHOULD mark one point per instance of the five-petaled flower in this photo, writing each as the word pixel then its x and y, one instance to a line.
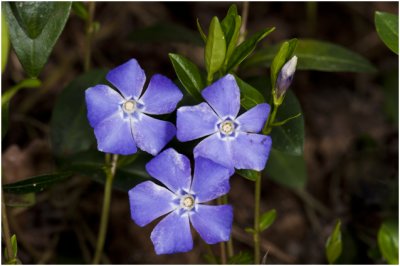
pixel 120 120
pixel 232 141
pixel 182 199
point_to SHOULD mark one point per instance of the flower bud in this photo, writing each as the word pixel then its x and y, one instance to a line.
pixel 285 77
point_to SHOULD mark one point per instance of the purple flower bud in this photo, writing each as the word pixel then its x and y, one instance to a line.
pixel 285 77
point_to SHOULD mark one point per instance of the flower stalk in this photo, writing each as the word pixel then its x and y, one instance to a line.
pixel 110 173
pixel 256 236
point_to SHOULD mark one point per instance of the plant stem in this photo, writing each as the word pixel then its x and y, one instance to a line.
pixel 245 14
pixel 110 173
pixel 222 245
pixel 257 198
pixel 230 241
pixel 89 35
pixel 271 119
pixel 6 229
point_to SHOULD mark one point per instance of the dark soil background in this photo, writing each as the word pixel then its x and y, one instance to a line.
pixel 351 145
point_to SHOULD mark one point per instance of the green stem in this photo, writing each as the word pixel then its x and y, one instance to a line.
pixel 271 119
pixel 89 35
pixel 6 229
pixel 110 173
pixel 257 198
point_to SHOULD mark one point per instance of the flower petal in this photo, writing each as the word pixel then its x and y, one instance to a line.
pixel 254 119
pixel 114 136
pixel 215 149
pixel 129 79
pixel 172 169
pixel 213 223
pixel 161 96
pixel 172 234
pixel 150 134
pixel 149 201
pixel 193 122
pixel 224 96
pixel 210 180
pixel 251 151
pixel 101 103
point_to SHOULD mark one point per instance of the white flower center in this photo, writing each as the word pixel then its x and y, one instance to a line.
pixel 227 127
pixel 129 106
pixel 187 202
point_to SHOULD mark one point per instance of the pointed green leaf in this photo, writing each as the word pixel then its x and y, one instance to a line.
pixel 388 241
pixel 188 74
pixel 200 29
pixel 35 184
pixel 215 48
pixel 267 219
pixel 387 27
pixel 5 41
pixel 231 27
pixel 333 246
pixel 246 48
pixel 284 54
pixel 249 96
pixel 34 29
pixel 14 245
pixel 316 55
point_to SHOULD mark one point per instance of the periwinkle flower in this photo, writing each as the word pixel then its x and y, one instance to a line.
pixel 183 199
pixel 120 119
pixel 285 77
pixel 232 140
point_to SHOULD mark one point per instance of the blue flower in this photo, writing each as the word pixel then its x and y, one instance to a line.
pixel 232 140
pixel 182 199
pixel 120 120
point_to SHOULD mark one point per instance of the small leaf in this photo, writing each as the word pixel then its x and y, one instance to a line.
pixel 316 55
pixel 188 74
pixel 333 246
pixel 14 245
pixel 267 219
pixel 387 27
pixel 80 10
pixel 215 49
pixel 246 48
pixel 202 34
pixel 26 83
pixel 388 241
pixel 284 54
pixel 5 42
pixel 20 200
pixel 231 27
pixel 249 174
pixel 286 169
pixel 34 29
pixel 249 96
pixel 35 184
pixel 242 257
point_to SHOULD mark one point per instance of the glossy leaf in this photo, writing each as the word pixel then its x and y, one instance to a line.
pixel 249 96
pixel 215 48
pixel 166 32
pixel 35 184
pixel 5 42
pixel 248 174
pixel 333 246
pixel 34 29
pixel 70 129
pixel 246 48
pixel 316 55
pixel 387 27
pixel 231 27
pixel 188 74
pixel 267 219
pixel 388 241
pixel 284 54
pixel 286 169
pixel 24 84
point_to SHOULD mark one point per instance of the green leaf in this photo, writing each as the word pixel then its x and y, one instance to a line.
pixel 249 96
pixel 286 169
pixel 246 48
pixel 14 245
pixel 188 74
pixel 267 219
pixel 35 184
pixel 80 10
pixel 242 257
pixel 34 29
pixel 231 27
pixel 70 129
pixel 5 41
pixel 284 54
pixel 316 55
pixel 388 241
pixel 166 32
pixel 215 49
pixel 20 200
pixel 26 83
pixel 200 29
pixel 248 174
pixel 249 230
pixel 387 27
pixel 333 246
